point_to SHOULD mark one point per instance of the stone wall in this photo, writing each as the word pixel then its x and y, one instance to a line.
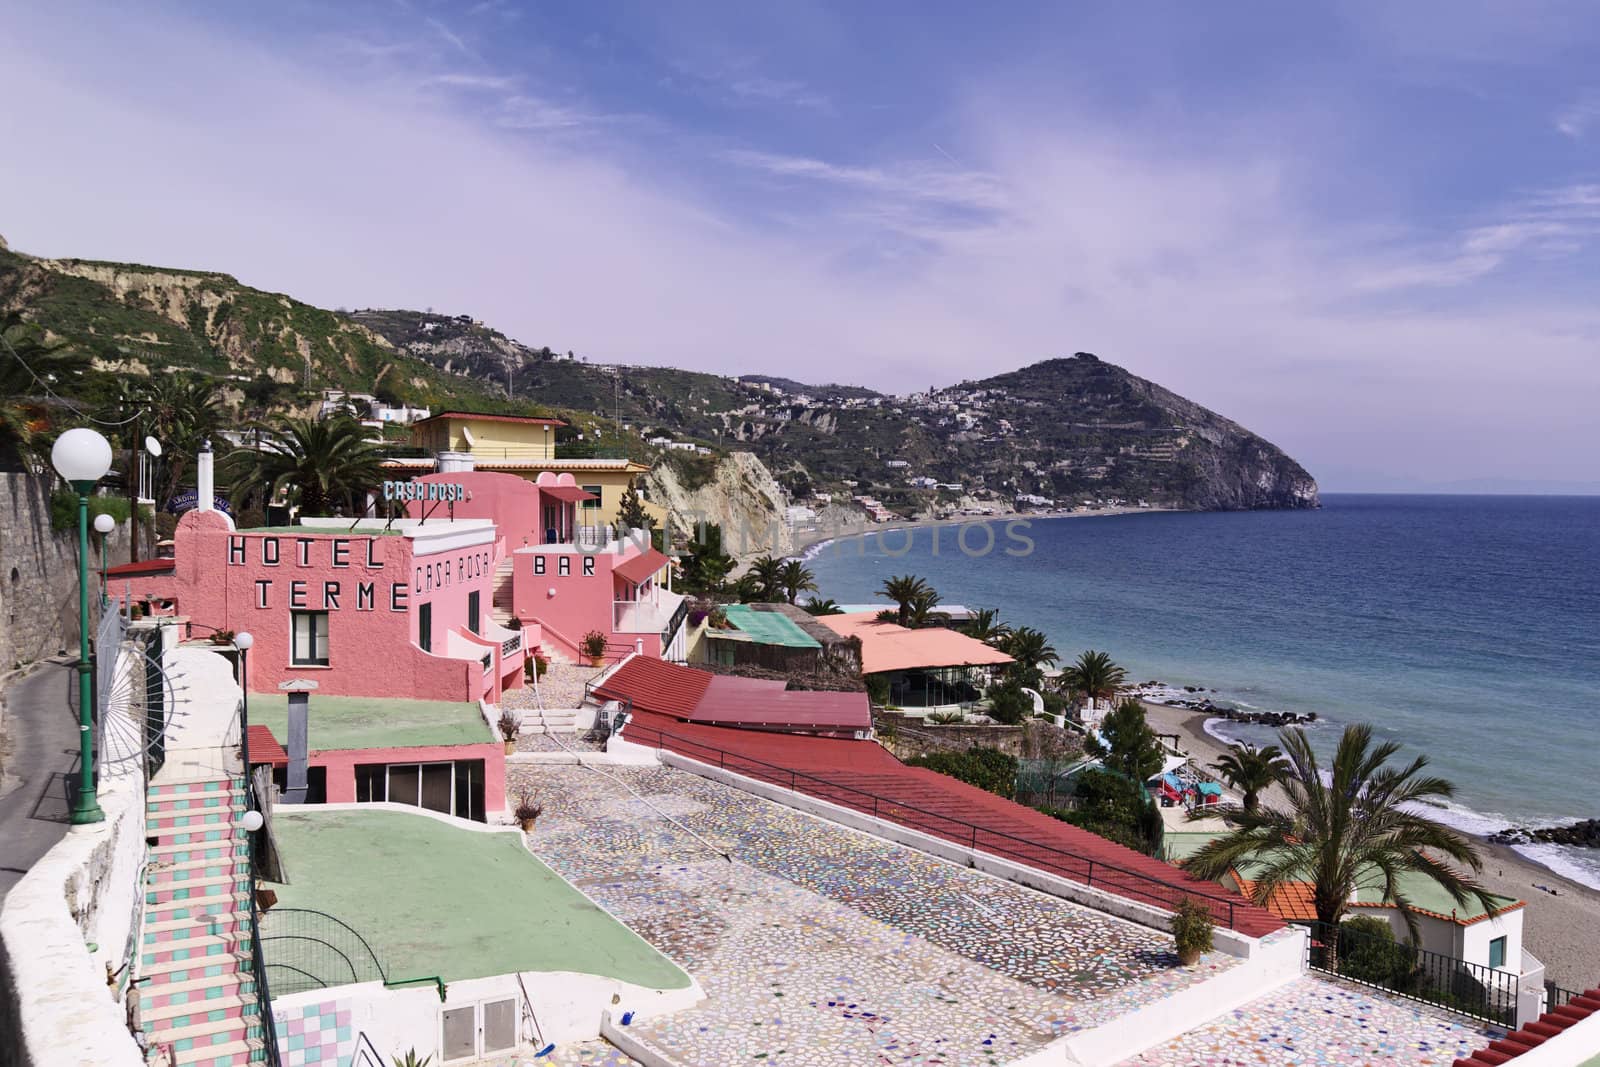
pixel 908 736
pixel 39 572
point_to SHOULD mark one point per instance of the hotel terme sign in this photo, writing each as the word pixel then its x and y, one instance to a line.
pixel 314 580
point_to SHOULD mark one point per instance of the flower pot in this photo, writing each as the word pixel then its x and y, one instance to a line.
pixel 1189 956
pixel 527 825
pixel 511 746
pixel 597 661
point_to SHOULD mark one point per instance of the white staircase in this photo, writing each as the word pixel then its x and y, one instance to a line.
pixel 548 721
pixel 500 605
pixel 197 990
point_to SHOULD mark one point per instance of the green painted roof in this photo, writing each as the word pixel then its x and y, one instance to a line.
pixel 1180 845
pixel 320 531
pixel 434 899
pixel 374 722
pixel 769 627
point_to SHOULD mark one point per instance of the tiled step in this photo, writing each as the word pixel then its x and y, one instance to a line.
pixel 190 821
pixel 196 888
pixel 192 969
pixel 210 1033
pixel 241 1050
pixel 178 873
pixel 205 785
pixel 193 1012
pixel 234 925
pixel 194 802
pixel 202 850
pixel 196 990
pixel 212 834
pixel 201 946
pixel 167 910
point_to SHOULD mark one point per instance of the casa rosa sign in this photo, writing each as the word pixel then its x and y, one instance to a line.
pixel 429 492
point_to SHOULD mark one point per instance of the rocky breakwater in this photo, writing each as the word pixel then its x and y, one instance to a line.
pixel 1585 834
pixel 1191 697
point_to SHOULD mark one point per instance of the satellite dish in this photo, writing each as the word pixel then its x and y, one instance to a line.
pixel 152 446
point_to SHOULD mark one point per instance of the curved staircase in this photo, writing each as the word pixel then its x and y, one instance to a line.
pixel 198 1000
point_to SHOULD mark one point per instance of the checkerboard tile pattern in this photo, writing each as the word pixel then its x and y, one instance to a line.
pixel 316 1034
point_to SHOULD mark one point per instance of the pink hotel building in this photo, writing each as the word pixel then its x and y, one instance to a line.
pixel 418 607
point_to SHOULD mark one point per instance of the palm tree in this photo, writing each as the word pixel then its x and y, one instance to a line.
pixel 814 606
pixel 182 411
pixel 1362 828
pixel 30 369
pixel 1251 770
pixel 985 625
pixel 1095 676
pixel 795 578
pixel 920 611
pixel 768 575
pixel 904 591
pixel 1030 648
pixel 327 461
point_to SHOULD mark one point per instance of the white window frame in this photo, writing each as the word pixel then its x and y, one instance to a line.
pixel 294 643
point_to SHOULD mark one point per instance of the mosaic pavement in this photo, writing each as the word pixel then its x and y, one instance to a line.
pixel 548 743
pixel 1318 1022
pixel 579 1054
pixel 817 945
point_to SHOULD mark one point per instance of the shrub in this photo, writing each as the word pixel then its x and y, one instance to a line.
pixel 64 509
pixel 1368 952
pixel 528 806
pixel 593 644
pixel 1115 808
pixel 946 718
pixel 509 725
pixel 1009 705
pixel 1191 929
pixel 987 768
pixel 878 690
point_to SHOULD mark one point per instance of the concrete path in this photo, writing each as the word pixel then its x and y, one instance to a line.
pixel 38 758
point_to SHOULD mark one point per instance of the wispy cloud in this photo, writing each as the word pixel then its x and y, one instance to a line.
pixel 450 37
pixel 1581 115
pixel 776 89
pixel 921 181
pixel 521 112
pixel 485 82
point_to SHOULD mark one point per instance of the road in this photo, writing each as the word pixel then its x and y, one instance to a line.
pixel 38 764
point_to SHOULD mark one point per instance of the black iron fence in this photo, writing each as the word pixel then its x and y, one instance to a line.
pixel 1097 873
pixel 1555 996
pixel 308 949
pixel 1373 959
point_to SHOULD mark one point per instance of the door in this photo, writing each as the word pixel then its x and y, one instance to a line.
pixel 472 611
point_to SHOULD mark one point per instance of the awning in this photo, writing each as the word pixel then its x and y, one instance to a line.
pixel 569 493
pixel 640 568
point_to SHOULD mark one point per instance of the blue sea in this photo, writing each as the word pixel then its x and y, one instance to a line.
pixel 1466 627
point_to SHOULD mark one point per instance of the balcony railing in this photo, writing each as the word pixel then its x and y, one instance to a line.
pixel 645 616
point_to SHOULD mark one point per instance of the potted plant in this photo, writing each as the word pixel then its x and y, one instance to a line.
pixel 510 725
pixel 1191 930
pixel 593 646
pixel 410 1060
pixel 541 665
pixel 528 809
pixel 222 637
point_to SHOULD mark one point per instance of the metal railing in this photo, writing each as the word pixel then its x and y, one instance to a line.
pixel 1096 873
pixel 258 963
pixel 1555 996
pixel 1402 969
pixel 309 949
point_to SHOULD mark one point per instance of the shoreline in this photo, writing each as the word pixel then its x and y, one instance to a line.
pixel 809 540
pixel 1562 929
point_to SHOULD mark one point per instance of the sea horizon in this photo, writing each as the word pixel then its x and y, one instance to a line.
pixel 1458 624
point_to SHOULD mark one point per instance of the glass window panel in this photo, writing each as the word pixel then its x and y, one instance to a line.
pixel 404 783
pixel 437 786
pixel 460 1033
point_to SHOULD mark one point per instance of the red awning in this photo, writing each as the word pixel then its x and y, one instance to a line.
pixel 264 748
pixel 142 569
pixel 570 493
pixel 641 567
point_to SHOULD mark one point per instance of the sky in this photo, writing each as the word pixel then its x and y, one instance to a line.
pixel 1368 232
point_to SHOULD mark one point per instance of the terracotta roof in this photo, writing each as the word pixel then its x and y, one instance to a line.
pixel 865 776
pixel 656 686
pixel 1551 1024
pixel 641 567
pixel 508 465
pixel 1291 901
pixel 264 748
pixel 887 646
pixel 569 493
pixel 484 417
pixel 142 568
pixel 733 702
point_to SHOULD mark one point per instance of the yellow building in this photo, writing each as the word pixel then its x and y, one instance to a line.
pixel 525 446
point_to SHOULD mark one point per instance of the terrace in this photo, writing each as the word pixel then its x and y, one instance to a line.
pixel 820 945
pixel 344 723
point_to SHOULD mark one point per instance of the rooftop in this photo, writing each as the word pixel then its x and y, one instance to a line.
pixel 375 722
pixel 432 899
pixel 484 416
pixel 767 627
pixel 887 646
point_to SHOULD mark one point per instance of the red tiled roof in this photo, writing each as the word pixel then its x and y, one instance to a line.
pixel 142 568
pixel 264 748
pixel 572 494
pixel 1550 1024
pixel 727 704
pixel 887 646
pixel 865 776
pixel 641 567
pixel 656 686
pixel 489 418
pixel 1292 901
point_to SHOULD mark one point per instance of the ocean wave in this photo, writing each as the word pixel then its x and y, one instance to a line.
pixel 1582 865
pixel 813 551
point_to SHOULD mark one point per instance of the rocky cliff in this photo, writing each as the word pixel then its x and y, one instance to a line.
pixel 736 492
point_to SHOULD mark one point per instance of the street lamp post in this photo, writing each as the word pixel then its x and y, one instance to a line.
pixel 242 641
pixel 82 457
pixel 103 525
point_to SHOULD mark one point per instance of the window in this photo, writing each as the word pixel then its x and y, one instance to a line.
pixel 598 495
pixel 425 627
pixel 452 788
pixel 472 611
pixel 309 647
pixel 1497 952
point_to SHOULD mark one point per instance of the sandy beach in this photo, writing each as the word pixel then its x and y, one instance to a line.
pixel 1562 930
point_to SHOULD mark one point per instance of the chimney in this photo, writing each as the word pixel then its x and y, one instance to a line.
pixel 205 487
pixel 298 747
